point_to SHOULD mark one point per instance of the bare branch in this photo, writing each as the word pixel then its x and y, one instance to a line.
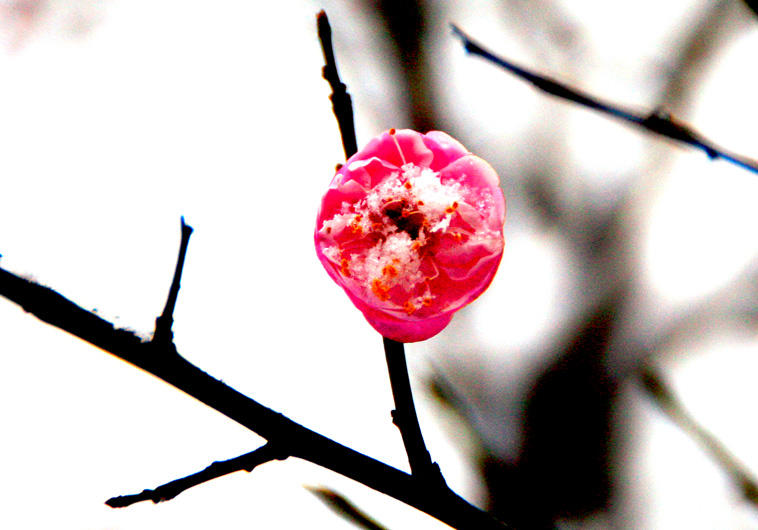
pixel 342 104
pixel 404 416
pixel 657 122
pixel 166 492
pixel 289 437
pixel 164 323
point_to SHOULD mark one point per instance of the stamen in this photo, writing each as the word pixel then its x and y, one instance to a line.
pixel 389 270
pixel 436 272
pixel 397 144
pixel 380 290
pixel 428 297
pixel 409 307
pixel 355 225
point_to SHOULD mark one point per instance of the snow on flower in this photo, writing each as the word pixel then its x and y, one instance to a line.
pixel 412 229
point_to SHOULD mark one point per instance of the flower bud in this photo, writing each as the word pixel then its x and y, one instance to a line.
pixel 411 228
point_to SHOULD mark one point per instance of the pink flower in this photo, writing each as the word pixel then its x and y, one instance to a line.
pixel 412 229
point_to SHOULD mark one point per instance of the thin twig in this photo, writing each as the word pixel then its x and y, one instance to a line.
pixel 664 397
pixel 342 104
pixel 163 324
pixel 658 122
pixel 404 415
pixel 246 462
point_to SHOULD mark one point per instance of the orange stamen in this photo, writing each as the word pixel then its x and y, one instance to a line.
pixel 389 270
pixel 344 268
pixel 452 207
pixel 380 290
pixel 355 226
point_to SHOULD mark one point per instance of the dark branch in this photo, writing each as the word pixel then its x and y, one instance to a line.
pixel 342 104
pixel 166 492
pixel 657 122
pixel 164 323
pixel 404 415
pixel 290 437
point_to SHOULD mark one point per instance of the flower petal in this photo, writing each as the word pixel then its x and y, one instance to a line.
pixel 383 147
pixel 445 148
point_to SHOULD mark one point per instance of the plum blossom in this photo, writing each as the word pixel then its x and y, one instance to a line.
pixel 411 228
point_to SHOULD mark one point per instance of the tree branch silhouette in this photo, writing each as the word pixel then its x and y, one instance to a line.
pixel 657 122
pixel 166 492
pixel 285 437
pixel 163 324
pixel 342 103
pixel 404 416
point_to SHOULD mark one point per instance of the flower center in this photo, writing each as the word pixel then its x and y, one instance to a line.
pixel 385 242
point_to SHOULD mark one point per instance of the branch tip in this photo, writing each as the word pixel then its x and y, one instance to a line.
pixel 166 492
pixel 458 32
pixel 343 507
pixel 342 104
pixel 163 324
pixel 186 228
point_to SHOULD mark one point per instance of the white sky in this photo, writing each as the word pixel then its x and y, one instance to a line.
pixel 218 113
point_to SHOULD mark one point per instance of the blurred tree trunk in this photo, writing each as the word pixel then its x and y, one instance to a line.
pixel 407 25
